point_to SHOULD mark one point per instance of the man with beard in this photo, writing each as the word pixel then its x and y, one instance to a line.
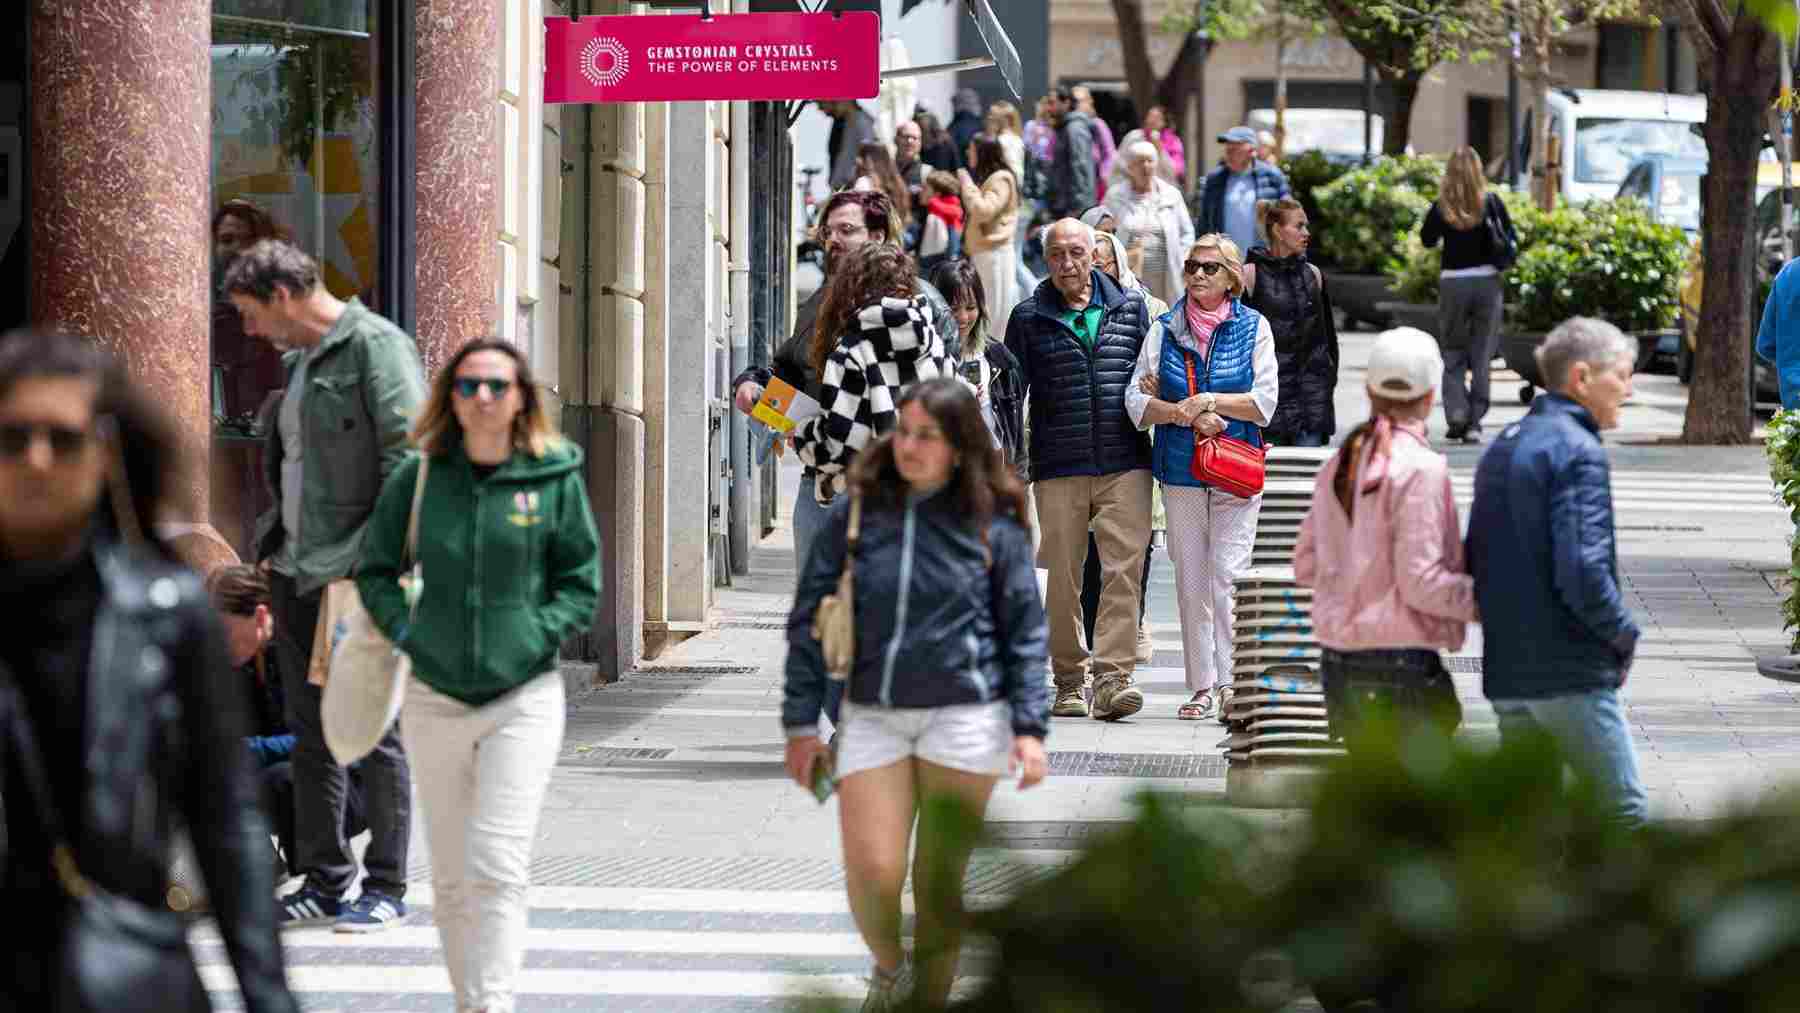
pixel 353 383
pixel 1074 176
pixel 849 219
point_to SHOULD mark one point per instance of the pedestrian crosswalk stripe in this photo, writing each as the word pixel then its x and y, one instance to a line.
pixel 384 979
pixel 637 954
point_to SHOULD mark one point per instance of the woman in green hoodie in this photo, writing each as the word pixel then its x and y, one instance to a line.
pixel 509 564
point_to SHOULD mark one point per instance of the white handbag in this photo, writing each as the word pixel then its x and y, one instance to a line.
pixel 368 676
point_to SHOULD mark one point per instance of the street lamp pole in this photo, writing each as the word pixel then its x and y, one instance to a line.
pixel 1192 119
pixel 1513 167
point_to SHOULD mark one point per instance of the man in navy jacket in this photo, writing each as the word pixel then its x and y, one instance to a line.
pixel 1558 640
pixel 1077 339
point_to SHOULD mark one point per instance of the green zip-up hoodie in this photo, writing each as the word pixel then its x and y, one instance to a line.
pixel 511 567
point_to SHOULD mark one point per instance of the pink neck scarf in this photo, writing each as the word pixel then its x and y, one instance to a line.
pixel 1202 322
pixel 1380 441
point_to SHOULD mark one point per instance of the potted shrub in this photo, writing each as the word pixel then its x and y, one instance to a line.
pixel 1604 259
pixel 1306 172
pixel 1367 215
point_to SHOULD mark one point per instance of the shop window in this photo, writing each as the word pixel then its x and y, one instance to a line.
pixel 295 154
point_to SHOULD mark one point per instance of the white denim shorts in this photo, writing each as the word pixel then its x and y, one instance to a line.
pixel 975 738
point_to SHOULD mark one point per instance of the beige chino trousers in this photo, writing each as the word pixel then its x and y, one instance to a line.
pixel 1117 507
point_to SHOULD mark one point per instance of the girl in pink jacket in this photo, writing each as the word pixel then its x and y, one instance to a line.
pixel 1382 550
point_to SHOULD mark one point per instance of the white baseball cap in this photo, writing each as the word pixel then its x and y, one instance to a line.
pixel 1404 364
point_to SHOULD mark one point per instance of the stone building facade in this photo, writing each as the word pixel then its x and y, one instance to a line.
pixel 405 144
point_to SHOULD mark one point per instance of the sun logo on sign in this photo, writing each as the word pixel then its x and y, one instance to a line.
pixel 604 62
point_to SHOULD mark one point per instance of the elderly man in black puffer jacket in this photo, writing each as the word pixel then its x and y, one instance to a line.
pixel 1077 339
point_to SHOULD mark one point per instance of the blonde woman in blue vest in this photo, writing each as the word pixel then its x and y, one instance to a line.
pixel 1229 351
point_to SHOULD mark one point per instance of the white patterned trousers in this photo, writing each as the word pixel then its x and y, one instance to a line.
pixel 1210 533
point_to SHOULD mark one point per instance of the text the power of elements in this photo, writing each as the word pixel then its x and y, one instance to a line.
pixel 730 57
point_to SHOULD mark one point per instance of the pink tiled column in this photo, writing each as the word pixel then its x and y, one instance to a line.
pixel 120 107
pixel 458 203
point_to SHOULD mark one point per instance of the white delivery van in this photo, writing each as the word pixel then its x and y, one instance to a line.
pixel 1599 135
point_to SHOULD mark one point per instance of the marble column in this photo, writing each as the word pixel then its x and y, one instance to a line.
pixel 458 159
pixel 120 108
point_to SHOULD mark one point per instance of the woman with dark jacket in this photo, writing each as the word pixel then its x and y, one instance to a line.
pixel 946 693
pixel 1471 291
pixel 983 362
pixel 119 708
pixel 1290 294
pixel 509 561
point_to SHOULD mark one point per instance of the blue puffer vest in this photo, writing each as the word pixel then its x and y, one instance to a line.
pixel 1229 369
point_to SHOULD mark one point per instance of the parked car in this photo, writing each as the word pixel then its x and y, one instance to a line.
pixel 1770 255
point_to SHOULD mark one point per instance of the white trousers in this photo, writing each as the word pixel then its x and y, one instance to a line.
pixel 998 269
pixel 481 774
pixel 1210 534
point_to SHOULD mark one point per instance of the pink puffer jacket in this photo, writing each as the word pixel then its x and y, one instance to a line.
pixel 1395 577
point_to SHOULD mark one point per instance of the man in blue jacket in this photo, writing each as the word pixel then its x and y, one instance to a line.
pixel 1778 338
pixel 1077 339
pixel 1229 193
pixel 1558 640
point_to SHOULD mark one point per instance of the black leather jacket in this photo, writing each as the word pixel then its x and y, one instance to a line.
pixel 164 739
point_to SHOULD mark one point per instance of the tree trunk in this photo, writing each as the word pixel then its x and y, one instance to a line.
pixel 1546 165
pixel 1281 82
pixel 1742 74
pixel 1134 44
pixel 1397 133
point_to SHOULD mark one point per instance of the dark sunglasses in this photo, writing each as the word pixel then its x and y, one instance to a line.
pixel 1206 267
pixel 16 438
pixel 471 386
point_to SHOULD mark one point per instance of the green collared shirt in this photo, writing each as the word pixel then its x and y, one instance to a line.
pixel 1085 322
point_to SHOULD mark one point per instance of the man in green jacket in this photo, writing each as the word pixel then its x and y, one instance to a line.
pixel 353 384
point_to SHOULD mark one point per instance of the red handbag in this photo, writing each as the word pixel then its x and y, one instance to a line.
pixel 1225 462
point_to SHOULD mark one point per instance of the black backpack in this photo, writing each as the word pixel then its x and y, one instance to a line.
pixel 1503 241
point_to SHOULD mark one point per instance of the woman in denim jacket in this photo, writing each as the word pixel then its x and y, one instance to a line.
pixel 946 692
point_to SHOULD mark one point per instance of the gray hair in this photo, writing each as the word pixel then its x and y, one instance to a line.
pixel 1581 339
pixel 1139 148
pixel 268 264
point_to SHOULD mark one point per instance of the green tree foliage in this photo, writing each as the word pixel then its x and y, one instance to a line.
pixel 1368 213
pixel 1783 450
pixel 1432 874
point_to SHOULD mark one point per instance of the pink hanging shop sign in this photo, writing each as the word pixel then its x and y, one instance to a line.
pixel 728 57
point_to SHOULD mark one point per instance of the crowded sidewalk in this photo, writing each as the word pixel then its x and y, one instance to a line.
pixel 677 867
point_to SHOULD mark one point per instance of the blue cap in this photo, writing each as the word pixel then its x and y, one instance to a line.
pixel 1238 135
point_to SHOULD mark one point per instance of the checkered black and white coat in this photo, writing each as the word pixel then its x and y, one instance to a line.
pixel 892 347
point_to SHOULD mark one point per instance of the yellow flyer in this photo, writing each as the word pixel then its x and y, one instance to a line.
pixel 781 407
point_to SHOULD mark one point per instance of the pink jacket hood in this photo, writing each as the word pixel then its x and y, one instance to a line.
pixel 1395 577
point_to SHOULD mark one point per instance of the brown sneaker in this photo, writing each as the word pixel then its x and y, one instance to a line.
pixel 1115 699
pixel 1070 703
pixel 1146 651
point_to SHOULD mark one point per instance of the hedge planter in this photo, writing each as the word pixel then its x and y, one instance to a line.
pixel 1519 351
pixel 1424 316
pixel 1358 295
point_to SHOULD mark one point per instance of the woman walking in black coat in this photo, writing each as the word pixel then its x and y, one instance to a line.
pixel 120 715
pixel 1290 294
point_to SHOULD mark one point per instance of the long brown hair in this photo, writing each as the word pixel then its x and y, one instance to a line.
pixel 869 274
pixel 533 431
pixel 1463 198
pixel 879 164
pixel 990 158
pixel 985 486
